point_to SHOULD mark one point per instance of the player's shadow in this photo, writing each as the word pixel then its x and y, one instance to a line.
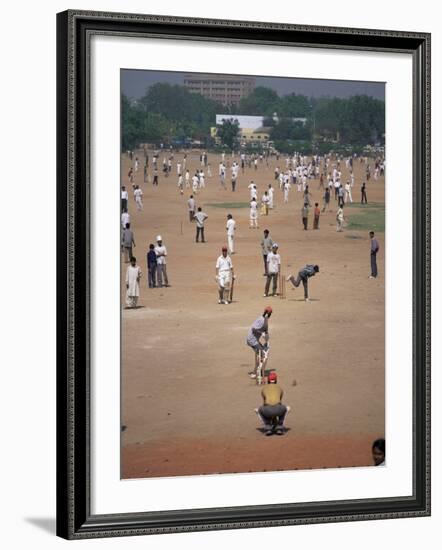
pixel 136 307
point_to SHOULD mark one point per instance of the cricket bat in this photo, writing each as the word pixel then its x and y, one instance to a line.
pixel 232 284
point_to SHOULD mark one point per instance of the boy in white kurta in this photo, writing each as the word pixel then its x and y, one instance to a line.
pixel 133 276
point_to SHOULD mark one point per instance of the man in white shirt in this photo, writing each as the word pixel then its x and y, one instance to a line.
pixel 180 184
pixel 224 276
pixel 124 198
pixel 348 196
pixel 200 218
pixel 191 208
pixel 195 184
pixel 230 227
pixel 125 218
pixel 273 268
pixel 138 196
pixel 270 192
pixel 253 214
pixel 265 204
pixel 253 190
pixel 161 252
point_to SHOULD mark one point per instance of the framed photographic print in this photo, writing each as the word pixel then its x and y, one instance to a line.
pixel 243 274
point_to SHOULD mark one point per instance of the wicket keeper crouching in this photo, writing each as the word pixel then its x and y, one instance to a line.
pixel 272 412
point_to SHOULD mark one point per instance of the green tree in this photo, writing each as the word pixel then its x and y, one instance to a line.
pixel 262 102
pixel 288 129
pixel 228 132
pixel 293 105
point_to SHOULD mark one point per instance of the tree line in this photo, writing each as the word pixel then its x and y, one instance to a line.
pixel 168 113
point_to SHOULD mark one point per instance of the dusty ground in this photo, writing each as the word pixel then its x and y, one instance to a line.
pixel 187 401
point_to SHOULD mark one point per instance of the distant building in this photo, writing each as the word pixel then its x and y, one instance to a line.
pixel 226 89
pixel 252 129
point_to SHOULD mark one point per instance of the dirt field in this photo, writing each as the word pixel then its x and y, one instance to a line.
pixel 187 400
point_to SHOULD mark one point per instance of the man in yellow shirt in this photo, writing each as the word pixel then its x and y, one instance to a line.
pixel 272 412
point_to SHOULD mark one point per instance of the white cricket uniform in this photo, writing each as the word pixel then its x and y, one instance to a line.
pixel 125 218
pixel 254 214
pixel 253 191
pixel 286 191
pixel 230 226
pixel 138 195
pixel 270 191
pixel 224 266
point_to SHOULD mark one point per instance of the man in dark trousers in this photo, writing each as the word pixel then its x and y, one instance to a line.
pixel 363 194
pixel 304 275
pixel 151 266
pixel 272 412
pixel 374 249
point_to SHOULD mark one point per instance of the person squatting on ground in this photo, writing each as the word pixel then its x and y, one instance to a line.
pixel 161 253
pixel 224 276
pixel 151 266
pixel 272 412
pixel 259 328
pixel 200 218
pixel 304 275
pixel 273 269
pixel 374 249
pixel 133 276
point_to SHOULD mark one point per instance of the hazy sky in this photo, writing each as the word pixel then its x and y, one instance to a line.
pixel 135 82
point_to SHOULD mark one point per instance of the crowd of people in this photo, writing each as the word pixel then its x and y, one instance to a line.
pixel 305 175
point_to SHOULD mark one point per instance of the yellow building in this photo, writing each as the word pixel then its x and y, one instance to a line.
pixel 247 136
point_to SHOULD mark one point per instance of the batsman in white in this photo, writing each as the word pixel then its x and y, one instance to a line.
pixel 224 276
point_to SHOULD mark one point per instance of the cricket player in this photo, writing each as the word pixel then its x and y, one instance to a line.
pixel 265 203
pixel 191 207
pixel 374 249
pixel 133 276
pixel 224 276
pixel 161 252
pixel 286 188
pixel 253 191
pixel 273 269
pixel 230 228
pixel 125 218
pixel 259 328
pixel 180 184
pixel 138 196
pixel 340 219
pixel 266 247
pixel 272 412
pixel 304 275
pixel 270 192
pixel 253 214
